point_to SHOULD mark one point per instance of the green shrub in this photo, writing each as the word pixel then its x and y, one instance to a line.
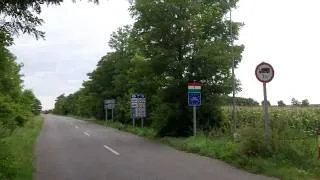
pixel 4 132
pixel 7 170
pixel 160 116
pixel 251 142
pixel 20 120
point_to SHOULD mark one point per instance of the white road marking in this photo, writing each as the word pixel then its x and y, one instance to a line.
pixel 86 133
pixel 77 127
pixel 111 150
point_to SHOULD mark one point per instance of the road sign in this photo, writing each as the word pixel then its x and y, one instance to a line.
pixel 138 95
pixel 264 72
pixel 109 104
pixel 138 105
pixel 194 99
pixel 110 101
pixel 194 94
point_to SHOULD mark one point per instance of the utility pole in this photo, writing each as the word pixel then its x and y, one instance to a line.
pixel 233 76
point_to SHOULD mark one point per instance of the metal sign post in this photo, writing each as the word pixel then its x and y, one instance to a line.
pixel 265 73
pixel 109 104
pixel 106 114
pixel 266 115
pixel 142 119
pixel 134 122
pixel 194 100
pixel 194 120
pixel 112 115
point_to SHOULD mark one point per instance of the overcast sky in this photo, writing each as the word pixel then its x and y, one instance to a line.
pixel 284 33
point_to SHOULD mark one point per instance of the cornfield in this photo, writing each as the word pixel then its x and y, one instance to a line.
pixel 303 119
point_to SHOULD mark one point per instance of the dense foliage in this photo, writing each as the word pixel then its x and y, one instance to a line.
pixel 16 104
pixel 169 41
pixel 239 101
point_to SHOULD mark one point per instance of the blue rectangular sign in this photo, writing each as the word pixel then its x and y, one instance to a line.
pixel 194 99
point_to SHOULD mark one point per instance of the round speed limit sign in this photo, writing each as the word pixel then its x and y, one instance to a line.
pixel 264 72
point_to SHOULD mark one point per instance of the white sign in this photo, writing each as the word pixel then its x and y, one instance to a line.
pixel 110 101
pixel 264 72
pixel 109 104
pixel 138 105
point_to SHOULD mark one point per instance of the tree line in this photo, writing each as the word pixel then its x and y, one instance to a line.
pixel 171 43
pixel 295 102
pixel 17 104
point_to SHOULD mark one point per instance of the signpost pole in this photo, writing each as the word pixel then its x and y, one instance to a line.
pixel 142 119
pixel 106 114
pixel 194 120
pixel 134 122
pixel 112 114
pixel 266 117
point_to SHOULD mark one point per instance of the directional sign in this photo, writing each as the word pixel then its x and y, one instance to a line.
pixel 109 104
pixel 194 99
pixel 110 101
pixel 138 95
pixel 138 105
pixel 264 72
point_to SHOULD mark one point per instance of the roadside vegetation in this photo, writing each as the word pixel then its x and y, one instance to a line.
pixel 159 55
pixel 17 151
pixel 294 153
pixel 18 106
pixel 170 44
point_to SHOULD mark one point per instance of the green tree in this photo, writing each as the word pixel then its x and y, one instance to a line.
pixel 295 102
pixel 268 103
pixel 170 40
pixel 240 101
pixel 281 103
pixel 181 38
pixel 305 102
pixel 37 107
pixel 15 103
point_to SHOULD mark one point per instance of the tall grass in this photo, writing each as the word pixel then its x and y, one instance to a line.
pixel 16 151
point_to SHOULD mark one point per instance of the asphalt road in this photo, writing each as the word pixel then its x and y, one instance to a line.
pixel 70 149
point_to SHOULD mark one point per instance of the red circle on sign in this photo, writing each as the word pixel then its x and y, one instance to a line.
pixel 257 70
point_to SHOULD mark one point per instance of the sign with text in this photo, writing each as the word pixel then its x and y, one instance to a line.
pixel 109 104
pixel 264 72
pixel 138 105
pixel 194 94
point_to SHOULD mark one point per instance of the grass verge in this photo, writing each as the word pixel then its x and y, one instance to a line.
pixel 225 149
pixel 20 148
pixel 228 151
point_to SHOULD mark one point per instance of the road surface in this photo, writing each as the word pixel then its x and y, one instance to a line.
pixel 70 149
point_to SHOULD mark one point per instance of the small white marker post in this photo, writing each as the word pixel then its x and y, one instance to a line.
pixel 265 73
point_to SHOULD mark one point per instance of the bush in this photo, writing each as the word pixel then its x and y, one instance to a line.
pixel 7 170
pixel 160 116
pixel 4 132
pixel 20 121
pixel 251 142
